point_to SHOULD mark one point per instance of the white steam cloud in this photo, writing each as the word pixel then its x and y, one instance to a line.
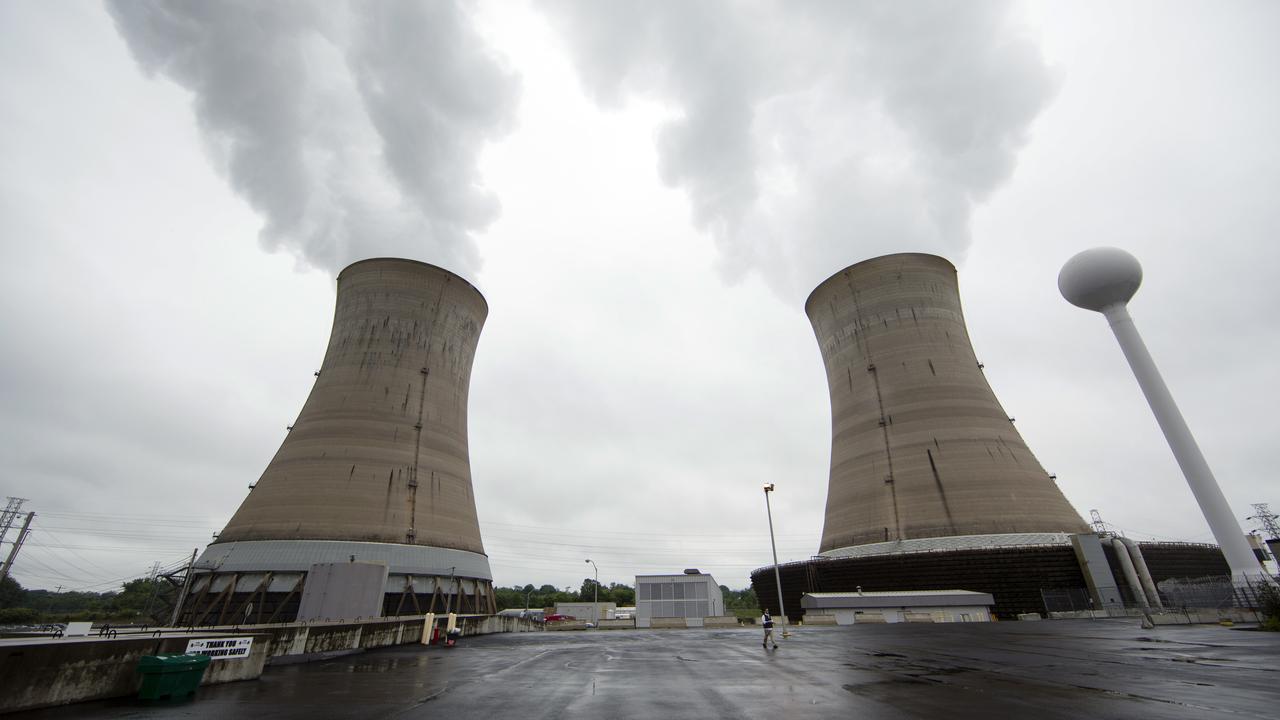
pixel 353 129
pixel 815 134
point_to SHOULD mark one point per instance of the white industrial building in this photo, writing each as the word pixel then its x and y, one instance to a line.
pixel 690 595
pixel 900 606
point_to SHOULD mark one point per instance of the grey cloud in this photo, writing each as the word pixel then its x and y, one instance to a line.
pixel 354 130
pixel 812 135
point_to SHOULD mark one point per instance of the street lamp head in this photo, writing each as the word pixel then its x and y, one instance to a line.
pixel 768 488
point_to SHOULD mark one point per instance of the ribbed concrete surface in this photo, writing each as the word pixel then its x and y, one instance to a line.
pixel 285 556
pixel 920 445
pixel 379 452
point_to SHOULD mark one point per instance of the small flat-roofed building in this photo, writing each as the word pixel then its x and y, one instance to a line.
pixel 900 606
pixel 622 613
pixel 585 611
pixel 690 595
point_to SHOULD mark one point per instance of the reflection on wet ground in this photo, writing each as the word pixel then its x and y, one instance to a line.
pixel 1046 670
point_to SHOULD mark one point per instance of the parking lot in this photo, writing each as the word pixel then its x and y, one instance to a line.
pixel 1050 669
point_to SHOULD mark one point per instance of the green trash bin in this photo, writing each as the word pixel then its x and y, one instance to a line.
pixel 170 676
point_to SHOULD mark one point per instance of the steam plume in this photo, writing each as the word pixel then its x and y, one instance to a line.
pixel 810 135
pixel 353 129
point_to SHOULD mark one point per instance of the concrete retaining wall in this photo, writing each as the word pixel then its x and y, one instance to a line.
pixel 305 639
pixel 1190 616
pixel 51 672
pixel 812 619
pixel 560 625
pixel 44 672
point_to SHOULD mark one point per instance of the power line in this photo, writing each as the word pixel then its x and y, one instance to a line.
pixel 149 549
pixel 112 532
pixel 174 519
pixel 574 532
pixel 65 561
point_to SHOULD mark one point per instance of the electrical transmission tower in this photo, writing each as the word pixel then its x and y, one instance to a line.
pixel 17 545
pixel 9 515
pixel 1267 520
pixel 1099 526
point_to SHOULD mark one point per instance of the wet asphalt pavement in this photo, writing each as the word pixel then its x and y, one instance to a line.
pixel 1044 670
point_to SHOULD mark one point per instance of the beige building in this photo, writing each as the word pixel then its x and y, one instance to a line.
pixel 939 606
pixel 585 610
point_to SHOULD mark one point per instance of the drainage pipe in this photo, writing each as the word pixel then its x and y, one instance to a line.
pixel 1144 574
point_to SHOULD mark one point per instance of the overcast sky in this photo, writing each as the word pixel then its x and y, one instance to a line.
pixel 645 193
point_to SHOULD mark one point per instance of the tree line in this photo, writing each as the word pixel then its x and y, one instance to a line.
pixel 139 601
pixel 146 602
pixel 546 596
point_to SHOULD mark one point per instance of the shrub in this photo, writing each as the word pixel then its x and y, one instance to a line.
pixel 18 616
pixel 1269 595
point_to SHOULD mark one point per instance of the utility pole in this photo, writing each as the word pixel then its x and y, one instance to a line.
pixel 17 545
pixel 595 596
pixel 151 580
pixel 182 594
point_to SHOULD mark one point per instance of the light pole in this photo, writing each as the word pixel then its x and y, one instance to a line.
pixel 595 596
pixel 777 576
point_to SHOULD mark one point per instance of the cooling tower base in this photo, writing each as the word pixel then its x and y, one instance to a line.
pixel 263 581
pixel 1018 577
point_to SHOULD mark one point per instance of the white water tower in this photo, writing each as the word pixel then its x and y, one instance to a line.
pixel 1103 280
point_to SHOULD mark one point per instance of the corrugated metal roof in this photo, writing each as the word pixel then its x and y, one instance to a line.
pixel 896 599
pixel 954 542
pixel 897 593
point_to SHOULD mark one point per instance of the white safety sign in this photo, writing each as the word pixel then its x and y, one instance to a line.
pixel 221 648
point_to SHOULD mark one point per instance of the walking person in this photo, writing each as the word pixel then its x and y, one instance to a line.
pixel 767 621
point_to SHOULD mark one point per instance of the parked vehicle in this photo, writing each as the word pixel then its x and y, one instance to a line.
pixel 557 617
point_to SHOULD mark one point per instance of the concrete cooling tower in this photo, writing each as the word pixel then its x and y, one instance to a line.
pixel 920 447
pixel 370 494
pixel 931 487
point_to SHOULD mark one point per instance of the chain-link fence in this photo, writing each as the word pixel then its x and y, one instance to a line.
pixel 1217 591
pixel 1066 599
